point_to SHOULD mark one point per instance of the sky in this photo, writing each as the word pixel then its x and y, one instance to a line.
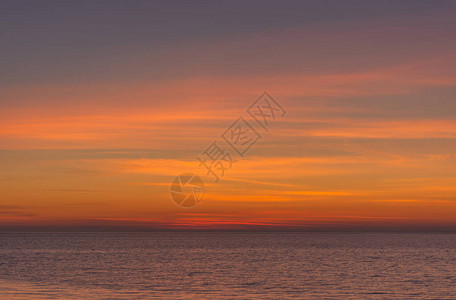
pixel 104 103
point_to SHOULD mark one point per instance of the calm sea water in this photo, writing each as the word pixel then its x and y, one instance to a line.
pixel 227 265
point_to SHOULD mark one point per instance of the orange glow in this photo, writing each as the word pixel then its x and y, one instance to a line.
pixel 368 138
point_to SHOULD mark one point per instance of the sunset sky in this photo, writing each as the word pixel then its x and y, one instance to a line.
pixel 103 103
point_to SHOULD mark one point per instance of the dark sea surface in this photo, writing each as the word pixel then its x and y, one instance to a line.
pixel 227 265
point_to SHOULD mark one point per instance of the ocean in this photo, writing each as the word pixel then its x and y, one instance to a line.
pixel 190 265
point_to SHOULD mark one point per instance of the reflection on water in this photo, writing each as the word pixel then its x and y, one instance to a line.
pixel 219 265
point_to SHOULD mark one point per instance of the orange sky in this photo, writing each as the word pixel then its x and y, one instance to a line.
pixel 368 140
